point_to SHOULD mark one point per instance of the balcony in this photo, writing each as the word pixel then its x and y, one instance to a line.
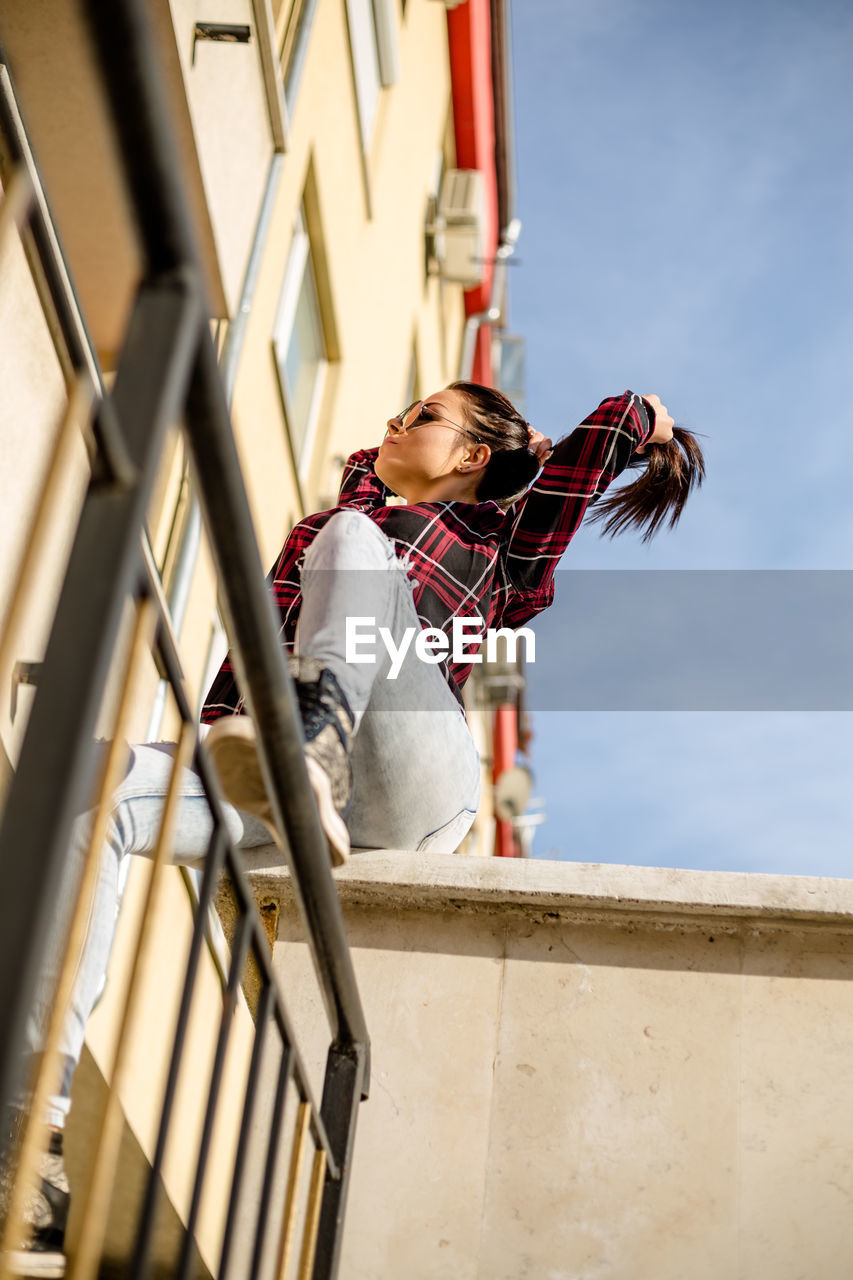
pixel 593 1069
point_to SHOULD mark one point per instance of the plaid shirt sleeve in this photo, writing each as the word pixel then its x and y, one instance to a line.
pixel 546 518
pixel 360 483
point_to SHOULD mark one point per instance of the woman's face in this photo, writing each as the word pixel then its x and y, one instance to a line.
pixel 421 460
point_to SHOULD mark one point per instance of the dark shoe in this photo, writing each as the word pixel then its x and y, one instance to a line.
pixel 45 1215
pixel 327 723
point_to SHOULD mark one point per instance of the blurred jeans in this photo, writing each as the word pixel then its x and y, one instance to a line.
pixel 416 770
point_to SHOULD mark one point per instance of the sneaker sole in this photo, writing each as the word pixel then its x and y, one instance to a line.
pixel 235 757
pixel 39 1266
pixel 337 835
pixel 234 753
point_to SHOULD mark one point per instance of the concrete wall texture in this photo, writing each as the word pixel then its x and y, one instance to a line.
pixel 586 1071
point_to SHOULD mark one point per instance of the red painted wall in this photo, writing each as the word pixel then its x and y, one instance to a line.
pixel 470 41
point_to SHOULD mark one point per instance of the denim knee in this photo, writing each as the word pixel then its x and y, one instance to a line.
pixel 346 530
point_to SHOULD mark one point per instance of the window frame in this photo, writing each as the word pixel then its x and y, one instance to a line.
pixel 382 40
pixel 299 268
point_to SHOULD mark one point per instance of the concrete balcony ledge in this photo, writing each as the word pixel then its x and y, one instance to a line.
pixel 582 1068
pixel 657 896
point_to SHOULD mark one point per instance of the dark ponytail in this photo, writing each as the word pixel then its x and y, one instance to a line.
pixel 495 421
pixel 672 470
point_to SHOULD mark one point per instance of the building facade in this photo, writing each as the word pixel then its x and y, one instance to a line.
pixel 348 176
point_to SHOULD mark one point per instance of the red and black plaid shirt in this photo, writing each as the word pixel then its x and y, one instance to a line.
pixel 469 560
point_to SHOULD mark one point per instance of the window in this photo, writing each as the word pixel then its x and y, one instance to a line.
pixel 299 344
pixel 365 61
pixel 411 393
pixel 413 381
pixel 508 364
pixel 375 56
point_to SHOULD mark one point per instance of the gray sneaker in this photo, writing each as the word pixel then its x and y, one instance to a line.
pixel 327 724
pixel 45 1213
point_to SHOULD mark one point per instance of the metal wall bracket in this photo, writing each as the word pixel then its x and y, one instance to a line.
pixel 223 32
pixel 22 673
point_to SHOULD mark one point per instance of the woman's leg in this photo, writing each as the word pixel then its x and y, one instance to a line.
pixel 416 770
pixel 132 828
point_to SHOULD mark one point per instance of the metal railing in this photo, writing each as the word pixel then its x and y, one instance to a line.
pixel 167 373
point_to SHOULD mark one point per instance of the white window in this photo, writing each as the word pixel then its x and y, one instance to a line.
pixel 365 61
pixel 300 347
pixel 412 380
pixel 375 56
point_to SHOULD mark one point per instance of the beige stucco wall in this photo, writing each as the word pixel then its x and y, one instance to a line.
pixel 366 216
pixel 224 93
pixel 32 407
pixel 379 304
pixel 600 1071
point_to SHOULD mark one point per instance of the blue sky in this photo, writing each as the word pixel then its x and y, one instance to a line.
pixel 686 193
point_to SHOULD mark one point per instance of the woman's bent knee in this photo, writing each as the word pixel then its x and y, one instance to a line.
pixel 346 528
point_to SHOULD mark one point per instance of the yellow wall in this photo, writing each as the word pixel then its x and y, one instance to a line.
pixel 379 299
pixel 365 216
pixel 32 404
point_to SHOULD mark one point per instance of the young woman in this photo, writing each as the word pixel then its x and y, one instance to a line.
pixel 388 749
pixel 389 753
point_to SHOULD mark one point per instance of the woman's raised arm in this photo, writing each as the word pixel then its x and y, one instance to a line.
pixel 576 471
pixel 360 483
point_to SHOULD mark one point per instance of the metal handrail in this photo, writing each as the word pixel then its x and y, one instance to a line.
pixel 168 371
pixel 75 351
pixel 131 73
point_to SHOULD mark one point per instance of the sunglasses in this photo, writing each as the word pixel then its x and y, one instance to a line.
pixel 421 414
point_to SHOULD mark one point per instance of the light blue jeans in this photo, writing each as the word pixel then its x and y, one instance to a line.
pixel 416 770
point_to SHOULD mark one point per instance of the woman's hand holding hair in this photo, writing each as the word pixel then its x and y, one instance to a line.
pixel 663 424
pixel 538 444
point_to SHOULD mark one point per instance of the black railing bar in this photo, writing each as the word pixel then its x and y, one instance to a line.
pixel 232 861
pixel 210 875
pixel 272 1159
pixel 261 671
pixel 260 951
pixel 166 638
pixel 343 1090
pixel 261 1029
pixel 167 658
pixel 79 348
pixel 226 1022
pixel 297 1069
pixel 131 72
pixel 129 67
pixel 57 755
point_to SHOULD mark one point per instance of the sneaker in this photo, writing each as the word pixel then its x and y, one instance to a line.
pixel 327 723
pixel 45 1215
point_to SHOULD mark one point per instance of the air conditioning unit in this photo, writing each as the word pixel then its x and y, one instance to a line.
pixel 460 219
